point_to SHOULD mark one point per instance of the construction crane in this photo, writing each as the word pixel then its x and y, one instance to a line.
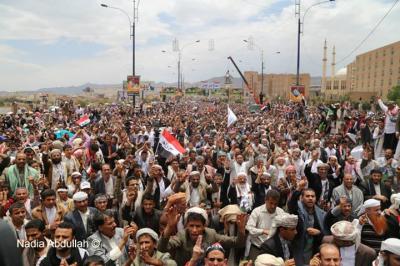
pixel 257 100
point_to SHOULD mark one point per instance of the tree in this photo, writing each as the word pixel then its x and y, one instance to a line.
pixel 394 94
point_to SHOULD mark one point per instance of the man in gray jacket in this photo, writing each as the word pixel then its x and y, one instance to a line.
pixel 110 242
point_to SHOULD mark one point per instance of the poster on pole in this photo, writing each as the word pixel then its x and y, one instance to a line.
pixel 297 93
pixel 133 85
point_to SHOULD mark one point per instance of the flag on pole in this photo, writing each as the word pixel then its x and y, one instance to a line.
pixel 231 117
pixel 83 121
pixel 170 143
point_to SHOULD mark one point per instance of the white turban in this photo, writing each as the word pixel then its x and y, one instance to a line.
pixel 392 245
pixel 283 220
pixel 268 260
pixel 197 210
pixel 80 196
pixel 369 204
pixel 395 200
pixel 346 231
pixel 147 231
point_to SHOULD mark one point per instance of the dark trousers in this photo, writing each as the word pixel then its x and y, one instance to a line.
pixel 390 142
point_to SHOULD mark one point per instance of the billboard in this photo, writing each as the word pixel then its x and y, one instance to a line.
pixel 133 85
pixel 297 93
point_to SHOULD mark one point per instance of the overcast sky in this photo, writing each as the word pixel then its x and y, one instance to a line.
pixel 51 43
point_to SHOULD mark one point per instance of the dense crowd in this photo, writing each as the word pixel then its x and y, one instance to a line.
pixel 290 184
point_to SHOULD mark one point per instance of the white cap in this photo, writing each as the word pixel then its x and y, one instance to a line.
pixel 79 196
pixel 62 190
pixel 85 185
pixel 76 174
pixel 369 204
pixel 392 245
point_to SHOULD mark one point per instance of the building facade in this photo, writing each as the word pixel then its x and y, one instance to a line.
pixel 374 73
pixel 276 85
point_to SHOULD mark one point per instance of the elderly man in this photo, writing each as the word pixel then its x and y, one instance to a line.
pixel 321 184
pixel 349 190
pixel 374 226
pixel 157 185
pixel 345 237
pixel 148 254
pixel 390 253
pixel 280 237
pixel 196 191
pixel 239 192
pixel 375 188
pixel 55 169
pixel 206 172
pixel 21 175
pixel 260 222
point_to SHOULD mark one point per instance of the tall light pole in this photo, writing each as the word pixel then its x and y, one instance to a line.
pixel 132 31
pixel 179 50
pixel 261 95
pixel 299 31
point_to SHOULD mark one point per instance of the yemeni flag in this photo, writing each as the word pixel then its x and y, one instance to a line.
pixel 170 144
pixel 83 121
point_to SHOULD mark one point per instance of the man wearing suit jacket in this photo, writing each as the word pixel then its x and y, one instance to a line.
pixel 374 188
pixel 110 242
pixel 344 236
pixel 82 217
pixel 109 185
pixel 320 183
pixel 281 235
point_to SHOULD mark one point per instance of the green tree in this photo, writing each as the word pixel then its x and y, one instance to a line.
pixel 394 94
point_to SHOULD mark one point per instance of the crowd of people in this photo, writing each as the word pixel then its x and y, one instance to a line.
pixel 289 185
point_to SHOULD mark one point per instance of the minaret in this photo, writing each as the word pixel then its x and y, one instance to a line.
pixel 333 67
pixel 324 60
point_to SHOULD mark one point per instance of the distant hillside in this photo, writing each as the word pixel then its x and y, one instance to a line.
pixel 74 90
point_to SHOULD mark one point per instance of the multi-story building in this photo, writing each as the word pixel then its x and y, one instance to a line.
pixel 374 73
pixel 276 85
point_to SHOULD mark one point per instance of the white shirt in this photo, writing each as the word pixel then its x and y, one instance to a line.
pixel 194 197
pixel 109 186
pixel 259 220
pixel 377 189
pixel 51 214
pixel 348 255
pixel 84 217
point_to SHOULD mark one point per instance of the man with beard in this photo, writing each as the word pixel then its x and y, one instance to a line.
pixel 280 238
pixel 390 253
pixel 82 217
pixel 388 163
pixel 206 171
pixel 39 245
pixel 64 252
pixel 54 169
pixel 374 188
pixel 260 187
pixel 260 222
pixel 196 191
pixel 21 175
pixel 100 202
pixel 321 184
pixel 239 192
pixel 375 226
pixel 311 220
pixel 341 212
pixel 345 237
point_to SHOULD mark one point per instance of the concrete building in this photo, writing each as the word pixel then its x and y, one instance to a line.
pixel 276 85
pixel 374 73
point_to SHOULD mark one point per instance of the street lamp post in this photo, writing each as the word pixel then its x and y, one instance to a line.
pixel 132 24
pixel 299 31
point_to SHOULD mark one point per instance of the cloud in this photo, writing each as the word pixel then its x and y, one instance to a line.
pixel 272 24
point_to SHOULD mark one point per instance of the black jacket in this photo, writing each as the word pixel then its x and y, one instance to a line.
pixel 74 218
pixel 369 192
pixel 273 246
